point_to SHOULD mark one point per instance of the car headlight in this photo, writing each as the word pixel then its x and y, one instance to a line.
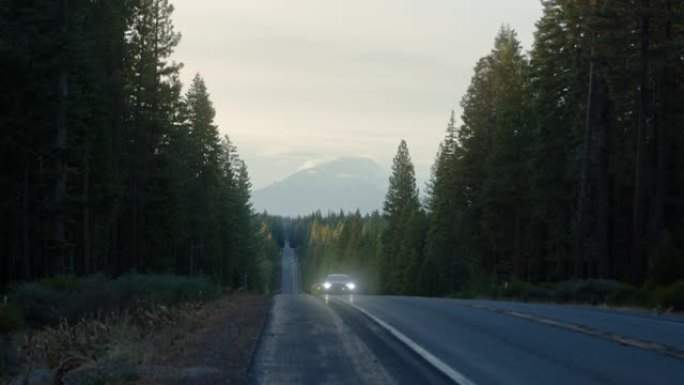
pixel 351 285
pixel 327 285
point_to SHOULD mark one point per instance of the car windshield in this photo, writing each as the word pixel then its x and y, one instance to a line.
pixel 338 277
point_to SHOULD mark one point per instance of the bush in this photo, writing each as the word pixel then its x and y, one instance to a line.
pixel 115 338
pixel 591 291
pixel 670 297
pixel 11 318
pixel 66 283
pixel 40 304
pixel 515 289
pixel 51 300
pixel 666 264
pixel 627 295
pixel 536 293
pixel 163 289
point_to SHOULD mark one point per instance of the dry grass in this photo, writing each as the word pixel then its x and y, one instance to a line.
pixel 109 340
pixel 222 346
pixel 151 344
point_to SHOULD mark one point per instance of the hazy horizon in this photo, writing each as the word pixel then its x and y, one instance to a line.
pixel 300 82
pixel 344 184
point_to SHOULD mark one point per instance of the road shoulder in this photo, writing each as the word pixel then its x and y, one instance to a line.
pixel 220 351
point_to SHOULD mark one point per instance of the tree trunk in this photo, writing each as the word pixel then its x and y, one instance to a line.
pixel 603 213
pixel 60 145
pixel 25 226
pixel 581 221
pixel 603 189
pixel 87 265
pixel 518 264
pixel 666 83
pixel 638 260
pixel 116 123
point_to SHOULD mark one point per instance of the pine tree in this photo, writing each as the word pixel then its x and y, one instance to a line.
pixel 402 239
pixel 444 205
pixel 155 90
pixel 504 190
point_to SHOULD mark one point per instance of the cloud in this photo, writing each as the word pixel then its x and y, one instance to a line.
pixel 309 164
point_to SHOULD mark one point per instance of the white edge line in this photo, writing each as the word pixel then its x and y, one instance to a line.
pixel 440 365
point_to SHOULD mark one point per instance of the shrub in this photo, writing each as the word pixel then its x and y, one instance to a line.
pixel 592 291
pixel 627 295
pixel 51 300
pixel 464 294
pixel 120 338
pixel 39 303
pixel 516 289
pixel 666 264
pixel 670 297
pixel 65 283
pixel 11 318
pixel 537 293
pixel 9 360
pixel 164 289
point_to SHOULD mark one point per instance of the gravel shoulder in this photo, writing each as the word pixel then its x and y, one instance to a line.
pixel 219 351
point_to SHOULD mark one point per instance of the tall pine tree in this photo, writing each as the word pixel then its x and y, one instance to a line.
pixel 403 238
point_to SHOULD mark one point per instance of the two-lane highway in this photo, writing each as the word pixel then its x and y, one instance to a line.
pixel 290 272
pixel 488 343
pixel 392 340
pixel 311 340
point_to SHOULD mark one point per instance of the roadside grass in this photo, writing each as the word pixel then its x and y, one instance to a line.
pixel 603 292
pixel 64 322
pixel 51 300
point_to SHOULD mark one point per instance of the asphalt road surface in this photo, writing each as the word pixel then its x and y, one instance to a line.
pixel 289 279
pixel 409 340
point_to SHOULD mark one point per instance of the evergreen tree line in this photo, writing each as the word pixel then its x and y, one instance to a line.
pixel 567 164
pixel 337 243
pixel 108 165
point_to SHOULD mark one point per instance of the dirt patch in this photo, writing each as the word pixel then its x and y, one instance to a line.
pixel 220 351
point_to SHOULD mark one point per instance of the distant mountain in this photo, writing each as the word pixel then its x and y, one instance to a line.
pixel 342 184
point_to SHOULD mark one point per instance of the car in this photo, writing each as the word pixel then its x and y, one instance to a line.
pixel 338 284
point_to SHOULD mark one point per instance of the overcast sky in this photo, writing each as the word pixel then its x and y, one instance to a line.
pixel 297 82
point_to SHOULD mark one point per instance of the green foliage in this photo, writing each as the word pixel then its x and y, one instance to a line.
pixel 429 278
pixel 592 291
pixel 11 319
pixel 670 297
pixel 667 264
pixel 111 168
pixel 403 238
pixel 338 243
pixel 43 303
pixel 39 303
pixel 517 289
pixel 65 283
pixel 627 295
pixel 540 182
pixel 163 289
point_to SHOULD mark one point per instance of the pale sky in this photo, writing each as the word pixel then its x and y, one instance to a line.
pixel 298 82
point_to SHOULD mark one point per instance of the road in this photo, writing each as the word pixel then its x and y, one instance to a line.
pixel 410 340
pixel 289 279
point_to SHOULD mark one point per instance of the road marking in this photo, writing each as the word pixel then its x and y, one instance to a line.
pixel 440 365
pixel 633 342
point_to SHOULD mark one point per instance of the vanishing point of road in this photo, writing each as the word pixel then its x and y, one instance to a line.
pixel 365 339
